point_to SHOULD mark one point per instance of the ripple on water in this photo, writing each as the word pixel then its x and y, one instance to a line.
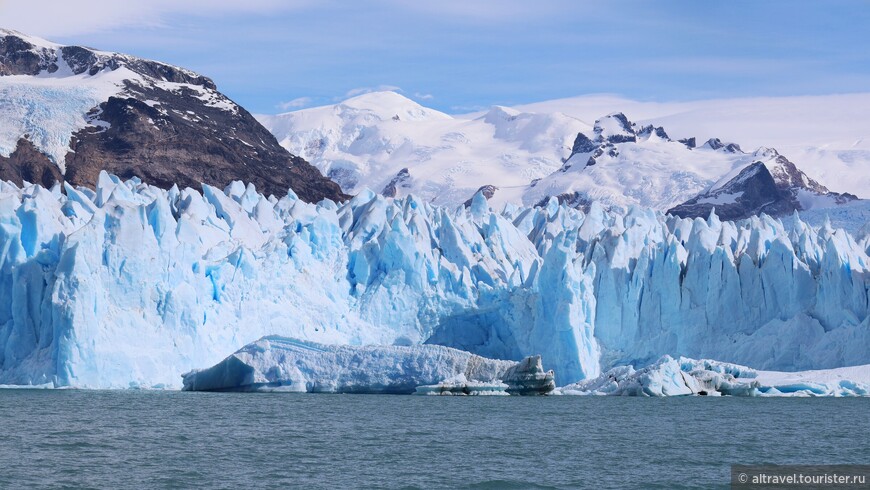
pixel 170 439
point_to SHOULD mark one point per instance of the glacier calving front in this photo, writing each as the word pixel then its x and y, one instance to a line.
pixel 131 285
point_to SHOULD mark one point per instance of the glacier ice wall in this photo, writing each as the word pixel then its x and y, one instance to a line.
pixel 131 285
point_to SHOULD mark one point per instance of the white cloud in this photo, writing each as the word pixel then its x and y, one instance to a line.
pixel 484 11
pixel 74 17
pixel 296 103
pixel 422 96
pixel 58 18
pixel 367 90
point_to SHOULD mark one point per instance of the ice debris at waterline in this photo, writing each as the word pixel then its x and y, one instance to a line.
pixel 284 364
pixel 132 285
pixel 683 376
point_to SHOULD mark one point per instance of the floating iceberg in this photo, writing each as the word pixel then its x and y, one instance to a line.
pixel 679 377
pixel 283 364
pixel 132 285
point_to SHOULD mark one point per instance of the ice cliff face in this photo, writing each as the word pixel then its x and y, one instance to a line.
pixel 131 284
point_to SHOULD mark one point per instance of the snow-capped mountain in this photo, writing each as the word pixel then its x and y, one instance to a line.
pixel 621 164
pixel 827 136
pixel 68 112
pixel 394 146
pixel 388 143
pixel 772 185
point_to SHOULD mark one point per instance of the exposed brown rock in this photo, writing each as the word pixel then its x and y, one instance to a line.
pixel 28 164
pixel 176 139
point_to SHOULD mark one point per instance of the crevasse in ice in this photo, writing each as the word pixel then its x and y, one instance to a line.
pixel 131 285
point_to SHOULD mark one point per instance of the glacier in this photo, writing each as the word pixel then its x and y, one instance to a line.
pixel 130 285
pixel 284 364
pixel 49 110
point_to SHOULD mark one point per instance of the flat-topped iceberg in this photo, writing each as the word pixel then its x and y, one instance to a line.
pixel 683 376
pixel 283 364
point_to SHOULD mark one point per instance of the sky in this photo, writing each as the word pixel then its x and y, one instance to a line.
pixel 464 55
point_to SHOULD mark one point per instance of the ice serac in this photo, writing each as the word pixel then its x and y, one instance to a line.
pixel 284 364
pixel 129 284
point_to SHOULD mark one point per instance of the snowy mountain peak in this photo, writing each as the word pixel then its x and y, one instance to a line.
pixel 717 144
pixel 360 143
pixel 651 131
pixel 26 55
pixel 389 105
pixel 21 54
pixel 33 40
pixel 752 191
pixel 766 153
pixel 497 114
pixel 774 186
pixel 615 128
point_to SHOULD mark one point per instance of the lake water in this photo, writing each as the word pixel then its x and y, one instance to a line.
pixel 105 439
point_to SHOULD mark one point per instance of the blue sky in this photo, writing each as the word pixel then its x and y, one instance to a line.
pixel 459 56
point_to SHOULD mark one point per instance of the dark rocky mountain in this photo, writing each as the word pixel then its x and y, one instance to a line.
pixel 717 144
pixel 689 142
pixel 775 187
pixel 165 124
pixel 609 131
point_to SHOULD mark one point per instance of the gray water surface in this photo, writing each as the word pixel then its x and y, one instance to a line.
pixel 123 439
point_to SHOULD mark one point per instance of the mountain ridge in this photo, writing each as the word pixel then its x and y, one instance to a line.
pixel 447 159
pixel 70 112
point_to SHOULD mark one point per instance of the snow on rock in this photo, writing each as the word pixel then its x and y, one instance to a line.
pixel 49 110
pixel 772 184
pixel 683 376
pixel 623 165
pixel 285 364
pixel 825 135
pixel 135 117
pixel 133 285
